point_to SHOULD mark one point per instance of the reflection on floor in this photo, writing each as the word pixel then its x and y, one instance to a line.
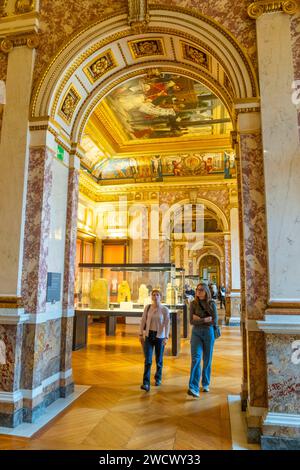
pixel 115 414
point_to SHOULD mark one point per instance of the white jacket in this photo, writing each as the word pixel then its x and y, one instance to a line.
pixel 164 321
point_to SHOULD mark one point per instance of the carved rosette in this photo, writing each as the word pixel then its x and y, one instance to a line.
pixel 259 7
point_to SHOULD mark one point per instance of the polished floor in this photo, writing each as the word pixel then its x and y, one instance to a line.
pixel 115 414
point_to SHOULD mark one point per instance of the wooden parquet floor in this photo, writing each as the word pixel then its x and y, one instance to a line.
pixel 115 414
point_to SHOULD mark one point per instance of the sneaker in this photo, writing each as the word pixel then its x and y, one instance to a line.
pixel 193 394
pixel 157 383
pixel 205 389
pixel 145 387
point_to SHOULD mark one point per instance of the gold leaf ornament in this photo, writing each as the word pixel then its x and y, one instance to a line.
pixel 6 46
pixel 24 6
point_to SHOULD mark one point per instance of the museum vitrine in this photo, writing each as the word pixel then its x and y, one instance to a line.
pixel 126 286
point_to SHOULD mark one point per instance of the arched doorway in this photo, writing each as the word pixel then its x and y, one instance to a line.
pixel 209 270
pixel 81 75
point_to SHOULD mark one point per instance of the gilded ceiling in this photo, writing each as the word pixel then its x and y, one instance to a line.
pixel 149 114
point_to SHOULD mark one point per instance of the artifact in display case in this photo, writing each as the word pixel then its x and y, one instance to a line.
pixel 179 284
pixel 124 294
pixel 106 286
pixel 99 294
pixel 143 294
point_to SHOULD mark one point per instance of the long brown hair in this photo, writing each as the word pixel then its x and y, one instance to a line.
pixel 208 299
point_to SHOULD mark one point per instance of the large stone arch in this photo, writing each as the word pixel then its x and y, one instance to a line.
pixel 230 75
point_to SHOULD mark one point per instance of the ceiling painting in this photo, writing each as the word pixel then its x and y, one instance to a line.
pixel 167 106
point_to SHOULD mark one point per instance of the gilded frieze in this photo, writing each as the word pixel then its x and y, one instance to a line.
pixel 146 47
pixel 100 65
pixel 69 104
pixel 195 55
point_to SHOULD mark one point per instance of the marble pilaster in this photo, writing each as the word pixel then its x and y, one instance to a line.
pixel 254 268
pixel 69 276
pixel 281 156
pixel 37 229
pixel 13 168
pixel 281 150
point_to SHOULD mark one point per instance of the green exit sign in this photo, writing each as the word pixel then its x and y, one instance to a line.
pixel 60 153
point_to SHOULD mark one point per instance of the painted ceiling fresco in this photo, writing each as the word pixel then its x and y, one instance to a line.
pixel 166 106
pixel 156 167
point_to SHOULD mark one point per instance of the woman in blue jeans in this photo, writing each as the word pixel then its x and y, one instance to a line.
pixel 155 324
pixel 203 317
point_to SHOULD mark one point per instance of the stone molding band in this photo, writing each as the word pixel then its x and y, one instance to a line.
pixel 280 324
pixel 282 419
pixel 16 316
pixel 13 397
pixel 258 8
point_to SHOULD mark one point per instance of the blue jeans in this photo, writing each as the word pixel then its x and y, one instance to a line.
pixel 202 343
pixel 151 342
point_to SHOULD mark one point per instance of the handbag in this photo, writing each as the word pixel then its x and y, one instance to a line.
pixel 217 332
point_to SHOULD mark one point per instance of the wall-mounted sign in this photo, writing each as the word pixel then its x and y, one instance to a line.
pixel 60 153
pixel 53 287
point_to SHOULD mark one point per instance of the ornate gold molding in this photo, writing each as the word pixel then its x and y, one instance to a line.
pixel 11 302
pixel 138 15
pixel 259 7
pixel 24 6
pixel 255 109
pixel 8 43
pixel 3 4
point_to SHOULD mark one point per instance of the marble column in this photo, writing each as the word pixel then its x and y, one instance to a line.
pixel 243 325
pixel 281 152
pixel 13 180
pixel 227 258
pixel 66 380
pixel 13 171
pixel 233 315
pixel 256 269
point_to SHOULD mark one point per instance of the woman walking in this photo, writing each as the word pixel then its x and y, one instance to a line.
pixel 155 324
pixel 203 317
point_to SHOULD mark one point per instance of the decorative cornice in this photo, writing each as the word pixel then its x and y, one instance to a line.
pixel 259 7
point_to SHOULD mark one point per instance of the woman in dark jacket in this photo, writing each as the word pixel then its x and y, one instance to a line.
pixel 203 317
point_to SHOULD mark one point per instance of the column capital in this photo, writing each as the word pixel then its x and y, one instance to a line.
pixel 259 7
pixel 7 43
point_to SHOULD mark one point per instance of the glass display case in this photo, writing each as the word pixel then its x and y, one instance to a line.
pixel 180 284
pixel 127 286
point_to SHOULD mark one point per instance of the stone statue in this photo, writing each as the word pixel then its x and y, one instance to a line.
pixel 99 294
pixel 143 294
pixel 124 294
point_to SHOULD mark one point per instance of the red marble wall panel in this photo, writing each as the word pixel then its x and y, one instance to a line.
pixel 254 225
pixel 231 15
pixel 71 235
pixel 37 229
pixel 60 20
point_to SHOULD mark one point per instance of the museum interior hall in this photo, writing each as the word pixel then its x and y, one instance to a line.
pixel 148 145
